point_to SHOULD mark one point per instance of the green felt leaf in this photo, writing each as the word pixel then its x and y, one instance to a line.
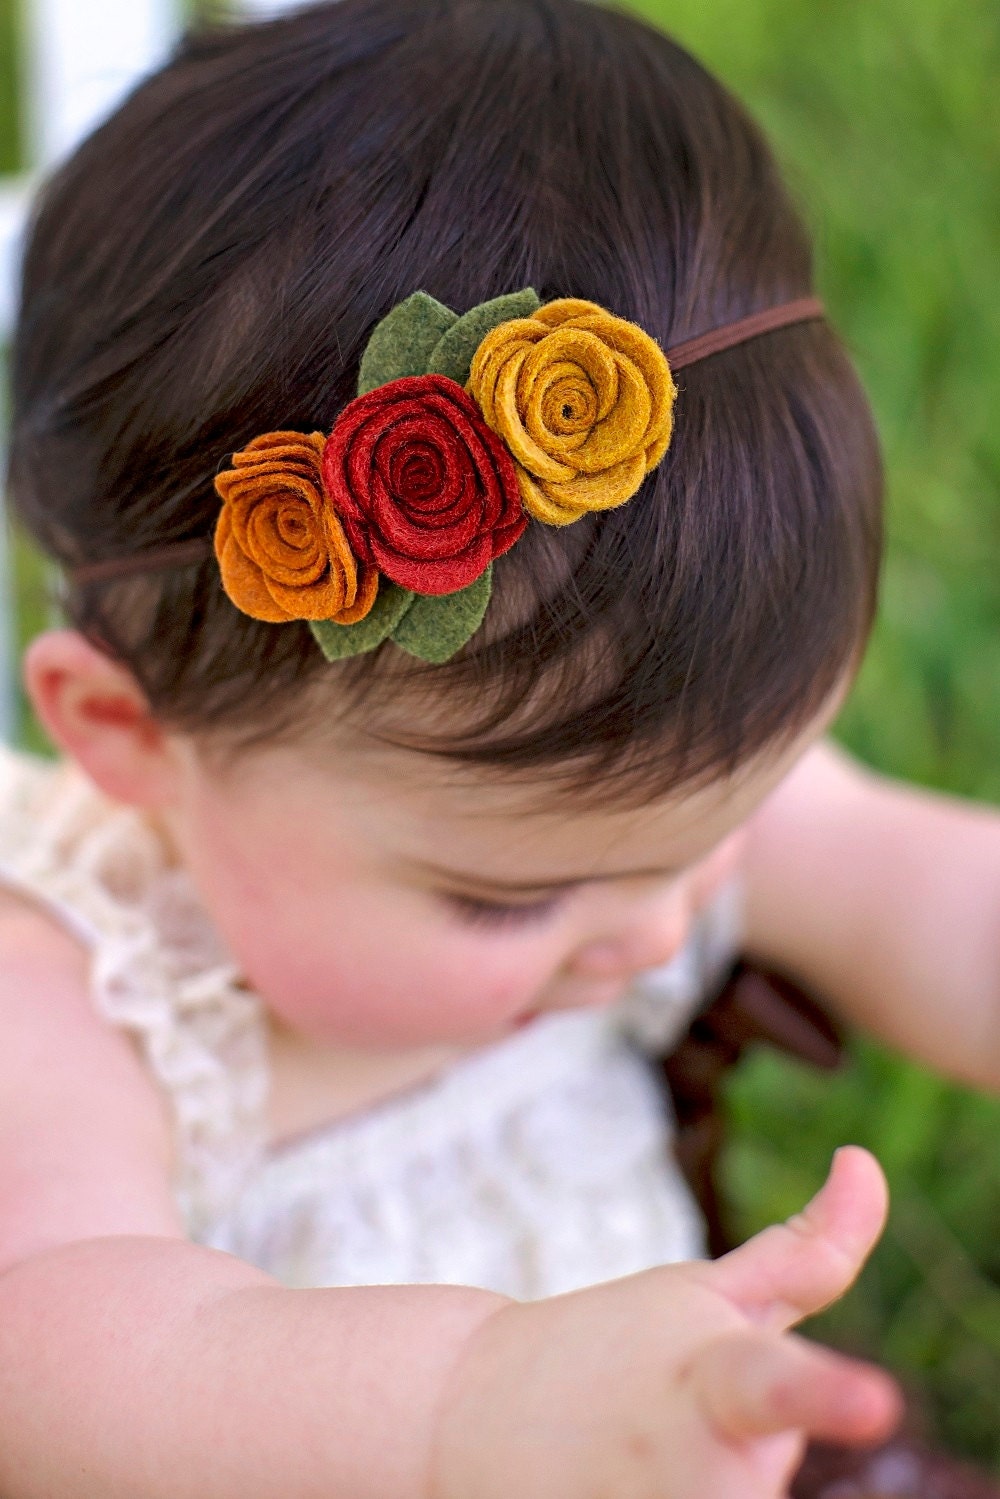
pixel 339 641
pixel 402 343
pixel 452 355
pixel 435 627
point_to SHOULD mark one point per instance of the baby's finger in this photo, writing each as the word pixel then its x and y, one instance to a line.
pixel 796 1268
pixel 753 1385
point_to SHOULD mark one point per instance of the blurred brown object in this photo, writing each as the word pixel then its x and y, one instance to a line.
pixel 756 1007
pixel 900 1470
pixel 759 1007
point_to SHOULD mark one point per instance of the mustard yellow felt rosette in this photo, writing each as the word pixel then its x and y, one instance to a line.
pixel 583 400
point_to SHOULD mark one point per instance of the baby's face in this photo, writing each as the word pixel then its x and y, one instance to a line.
pixel 378 905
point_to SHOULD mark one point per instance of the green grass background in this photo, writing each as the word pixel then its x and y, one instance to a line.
pixel 885 115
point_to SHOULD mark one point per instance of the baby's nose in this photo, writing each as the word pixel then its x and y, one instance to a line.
pixel 646 940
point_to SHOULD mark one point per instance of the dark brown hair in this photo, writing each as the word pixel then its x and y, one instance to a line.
pixel 210 264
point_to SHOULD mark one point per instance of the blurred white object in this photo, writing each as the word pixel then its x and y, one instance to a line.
pixel 83 58
pixel 265 10
pixel 14 193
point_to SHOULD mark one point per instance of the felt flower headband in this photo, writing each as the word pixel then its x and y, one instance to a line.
pixel 464 429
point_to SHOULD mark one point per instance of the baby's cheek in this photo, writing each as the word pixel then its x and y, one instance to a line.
pixel 388 984
pixel 459 987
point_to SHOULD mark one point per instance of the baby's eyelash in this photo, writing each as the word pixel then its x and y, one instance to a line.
pixel 495 914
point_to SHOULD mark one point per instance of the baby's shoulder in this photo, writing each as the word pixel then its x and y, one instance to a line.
pixel 49 1025
pixel 79 1116
pixel 33 940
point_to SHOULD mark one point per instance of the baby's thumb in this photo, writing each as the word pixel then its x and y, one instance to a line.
pixel 794 1269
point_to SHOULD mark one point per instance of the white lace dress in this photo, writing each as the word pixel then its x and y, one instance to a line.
pixel 533 1166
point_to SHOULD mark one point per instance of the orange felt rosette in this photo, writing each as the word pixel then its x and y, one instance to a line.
pixel 583 399
pixel 280 545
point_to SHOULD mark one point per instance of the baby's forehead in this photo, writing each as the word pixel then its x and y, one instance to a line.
pixel 441 822
pixel 514 836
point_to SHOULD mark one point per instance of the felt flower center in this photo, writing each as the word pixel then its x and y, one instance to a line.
pixel 285 538
pixel 294 529
pixel 416 473
pixel 569 404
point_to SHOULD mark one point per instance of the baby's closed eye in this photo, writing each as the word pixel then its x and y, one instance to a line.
pixel 475 911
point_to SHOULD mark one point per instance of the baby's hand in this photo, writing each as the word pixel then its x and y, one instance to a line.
pixel 678 1383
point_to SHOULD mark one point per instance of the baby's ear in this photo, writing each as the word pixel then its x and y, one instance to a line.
pixel 95 711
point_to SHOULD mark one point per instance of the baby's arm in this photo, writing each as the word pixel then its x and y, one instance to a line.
pixel 134 1365
pixel 149 1368
pixel 885 899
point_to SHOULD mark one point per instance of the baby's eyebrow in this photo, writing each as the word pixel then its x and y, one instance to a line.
pixel 465 878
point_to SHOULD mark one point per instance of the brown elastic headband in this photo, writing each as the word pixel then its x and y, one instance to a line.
pixel 805 310
pixel 200 548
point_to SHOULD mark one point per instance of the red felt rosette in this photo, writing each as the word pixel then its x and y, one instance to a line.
pixel 425 491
